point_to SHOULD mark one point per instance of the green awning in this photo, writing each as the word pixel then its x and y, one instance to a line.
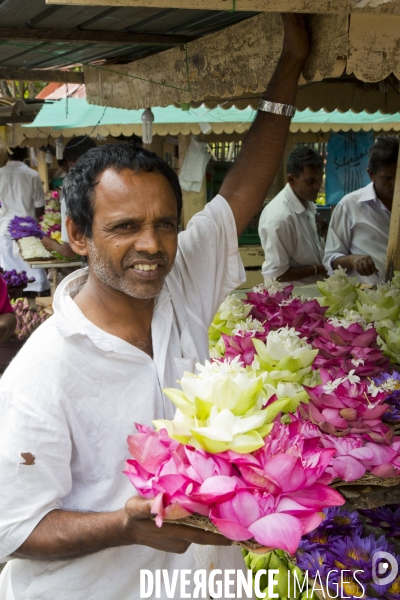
pixel 76 114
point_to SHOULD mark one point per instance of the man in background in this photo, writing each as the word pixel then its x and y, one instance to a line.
pixel 359 229
pixel 22 195
pixel 75 148
pixel 287 228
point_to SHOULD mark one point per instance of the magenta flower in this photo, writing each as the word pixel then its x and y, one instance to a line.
pixel 349 348
pixel 241 345
pixel 306 317
pixel 273 495
pixel 342 405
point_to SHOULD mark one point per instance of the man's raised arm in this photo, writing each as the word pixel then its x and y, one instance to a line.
pixel 248 182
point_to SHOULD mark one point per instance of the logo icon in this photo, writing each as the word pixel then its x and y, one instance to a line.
pixel 384 568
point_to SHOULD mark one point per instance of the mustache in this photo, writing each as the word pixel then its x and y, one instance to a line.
pixel 161 257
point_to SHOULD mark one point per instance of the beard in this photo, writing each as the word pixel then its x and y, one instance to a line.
pixel 140 289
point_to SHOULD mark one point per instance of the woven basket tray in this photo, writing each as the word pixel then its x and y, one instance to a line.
pixel 204 523
pixel 369 491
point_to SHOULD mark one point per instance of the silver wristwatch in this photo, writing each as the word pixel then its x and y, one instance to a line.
pixel 287 110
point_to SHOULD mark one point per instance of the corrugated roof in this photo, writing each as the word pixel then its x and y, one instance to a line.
pixel 35 14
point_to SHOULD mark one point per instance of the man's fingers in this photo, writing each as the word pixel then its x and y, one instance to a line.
pixel 139 508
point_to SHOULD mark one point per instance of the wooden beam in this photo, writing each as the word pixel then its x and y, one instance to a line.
pixel 88 36
pixel 305 6
pixel 393 254
pixel 231 62
pixel 13 74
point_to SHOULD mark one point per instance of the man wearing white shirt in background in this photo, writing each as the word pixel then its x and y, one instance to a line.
pixel 74 149
pixel 293 249
pixel 21 195
pixel 359 229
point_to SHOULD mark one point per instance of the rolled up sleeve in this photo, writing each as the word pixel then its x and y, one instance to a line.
pixel 35 454
pixel 209 258
pixel 338 240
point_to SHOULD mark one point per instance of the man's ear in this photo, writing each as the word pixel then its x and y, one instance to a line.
pixel 371 175
pixel 77 240
pixel 290 178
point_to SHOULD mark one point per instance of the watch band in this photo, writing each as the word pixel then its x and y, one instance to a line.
pixel 277 108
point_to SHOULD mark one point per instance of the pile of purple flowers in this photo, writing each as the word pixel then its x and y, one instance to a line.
pixel 386 518
pixel 390 382
pixel 339 545
pixel 14 279
pixel 20 227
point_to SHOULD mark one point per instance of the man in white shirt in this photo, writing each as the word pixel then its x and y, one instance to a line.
pixel 359 229
pixel 123 329
pixel 74 149
pixel 21 195
pixel 287 228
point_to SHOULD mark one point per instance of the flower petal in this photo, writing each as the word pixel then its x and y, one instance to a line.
pixel 278 530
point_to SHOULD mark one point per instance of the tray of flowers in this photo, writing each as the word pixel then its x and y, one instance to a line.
pixel 296 414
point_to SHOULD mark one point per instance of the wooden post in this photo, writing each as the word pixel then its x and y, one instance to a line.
pixel 393 254
pixel 42 170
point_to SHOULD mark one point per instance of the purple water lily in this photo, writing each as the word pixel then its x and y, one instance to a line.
pixel 20 227
pixel 385 517
pixel 14 279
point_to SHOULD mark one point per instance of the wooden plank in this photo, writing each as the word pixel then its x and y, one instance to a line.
pixel 225 64
pixel 374 47
pixel 87 36
pixel 393 254
pixel 13 74
pixel 305 6
pixel 252 256
pixel 253 278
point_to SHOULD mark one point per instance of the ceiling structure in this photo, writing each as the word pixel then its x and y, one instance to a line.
pixel 34 35
pixel 180 51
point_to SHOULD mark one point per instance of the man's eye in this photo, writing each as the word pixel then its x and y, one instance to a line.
pixel 125 226
pixel 167 224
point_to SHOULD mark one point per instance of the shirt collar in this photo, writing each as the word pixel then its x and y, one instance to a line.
pixel 368 194
pixel 296 204
pixel 71 321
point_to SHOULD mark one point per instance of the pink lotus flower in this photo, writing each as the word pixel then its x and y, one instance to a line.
pixel 342 405
pixel 354 457
pixel 273 495
pixel 349 348
pixel 241 345
pixel 305 317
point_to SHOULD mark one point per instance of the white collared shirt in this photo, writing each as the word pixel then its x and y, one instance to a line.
pixel 289 235
pixel 359 225
pixel 71 398
pixel 21 191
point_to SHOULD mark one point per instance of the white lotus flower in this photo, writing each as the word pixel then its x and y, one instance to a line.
pixel 221 408
pixel 350 317
pixel 285 356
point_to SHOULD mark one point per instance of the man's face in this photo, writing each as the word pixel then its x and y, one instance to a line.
pixel 384 181
pixel 307 185
pixel 134 232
